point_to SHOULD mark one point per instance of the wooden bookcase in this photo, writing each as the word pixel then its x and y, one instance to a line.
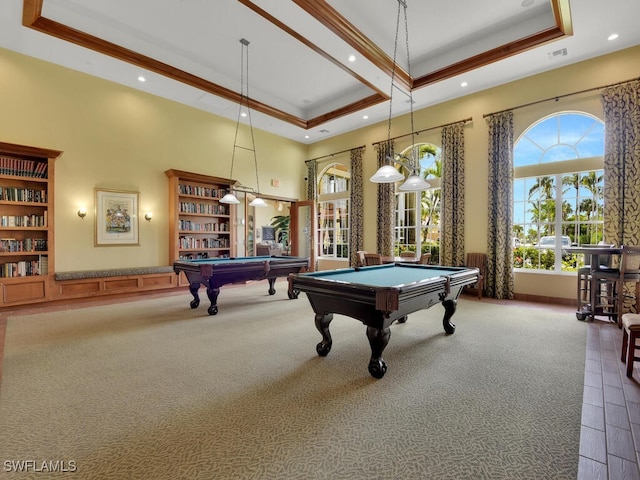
pixel 199 226
pixel 26 226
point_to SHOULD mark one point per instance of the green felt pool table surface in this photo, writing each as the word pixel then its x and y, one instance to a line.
pixel 386 275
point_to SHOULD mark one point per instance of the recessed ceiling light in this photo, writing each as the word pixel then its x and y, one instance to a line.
pixel 365 117
pixel 464 84
pixel 142 79
pixel 306 136
pixel 243 114
pixel 613 36
pixel 352 58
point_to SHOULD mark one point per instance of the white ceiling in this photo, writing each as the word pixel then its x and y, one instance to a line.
pixel 299 73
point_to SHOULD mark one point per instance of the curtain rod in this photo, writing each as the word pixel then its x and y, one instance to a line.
pixel 558 97
pixel 332 154
pixel 424 130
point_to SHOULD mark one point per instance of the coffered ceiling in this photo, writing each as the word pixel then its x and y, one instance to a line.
pixel 302 83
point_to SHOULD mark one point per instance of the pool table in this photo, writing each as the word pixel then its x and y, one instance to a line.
pixel 215 272
pixel 378 296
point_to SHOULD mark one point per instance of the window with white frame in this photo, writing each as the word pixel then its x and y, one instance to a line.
pixel 333 212
pixel 558 190
pixel 417 216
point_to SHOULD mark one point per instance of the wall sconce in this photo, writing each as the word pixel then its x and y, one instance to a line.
pixel 148 216
pixel 82 212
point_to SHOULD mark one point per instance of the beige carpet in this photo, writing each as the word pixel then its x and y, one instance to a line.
pixel 154 390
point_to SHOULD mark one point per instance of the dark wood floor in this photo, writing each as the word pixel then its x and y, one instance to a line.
pixel 610 435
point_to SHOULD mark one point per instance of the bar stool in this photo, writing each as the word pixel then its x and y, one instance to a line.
pixel 630 333
pixel 584 288
pixel 611 283
pixel 584 280
pixel 593 292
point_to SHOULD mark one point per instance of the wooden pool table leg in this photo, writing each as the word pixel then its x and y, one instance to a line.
pixel 378 340
pixel 193 288
pixel 322 324
pixel 449 309
pixel 292 293
pixel 212 293
pixel 272 285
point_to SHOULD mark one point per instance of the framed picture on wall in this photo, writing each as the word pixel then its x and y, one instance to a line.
pixel 116 218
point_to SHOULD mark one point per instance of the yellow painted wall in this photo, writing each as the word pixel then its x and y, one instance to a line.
pixel 115 137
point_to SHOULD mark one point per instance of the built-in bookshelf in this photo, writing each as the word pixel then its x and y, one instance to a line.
pixel 26 222
pixel 200 226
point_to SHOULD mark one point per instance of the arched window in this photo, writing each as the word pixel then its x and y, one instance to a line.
pixel 558 190
pixel 333 212
pixel 417 225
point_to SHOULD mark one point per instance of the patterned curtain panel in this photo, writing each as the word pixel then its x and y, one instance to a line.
pixel 452 217
pixel 386 204
pixel 499 281
pixel 356 234
pixel 312 172
pixel 622 164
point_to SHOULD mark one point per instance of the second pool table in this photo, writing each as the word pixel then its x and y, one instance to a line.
pixel 215 272
pixel 378 296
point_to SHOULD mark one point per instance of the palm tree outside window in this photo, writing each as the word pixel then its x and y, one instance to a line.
pixel 558 190
pixel 417 222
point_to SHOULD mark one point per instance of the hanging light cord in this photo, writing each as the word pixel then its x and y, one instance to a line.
pixel 412 161
pixel 253 142
pixel 388 173
pixel 393 73
pixel 235 138
pixel 406 38
pixel 244 100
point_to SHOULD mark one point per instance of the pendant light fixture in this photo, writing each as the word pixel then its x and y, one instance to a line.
pixel 388 173
pixel 244 100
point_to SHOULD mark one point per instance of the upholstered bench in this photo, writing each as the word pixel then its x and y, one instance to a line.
pixel 111 272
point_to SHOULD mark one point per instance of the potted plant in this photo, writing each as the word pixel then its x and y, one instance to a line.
pixel 281 224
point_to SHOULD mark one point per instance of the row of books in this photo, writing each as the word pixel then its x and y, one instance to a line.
pixel 193 243
pixel 202 191
pixel 194 256
pixel 188 225
pixel 25 245
pixel 27 268
pixel 203 208
pixel 23 220
pixel 21 167
pixel 199 256
pixel 16 194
